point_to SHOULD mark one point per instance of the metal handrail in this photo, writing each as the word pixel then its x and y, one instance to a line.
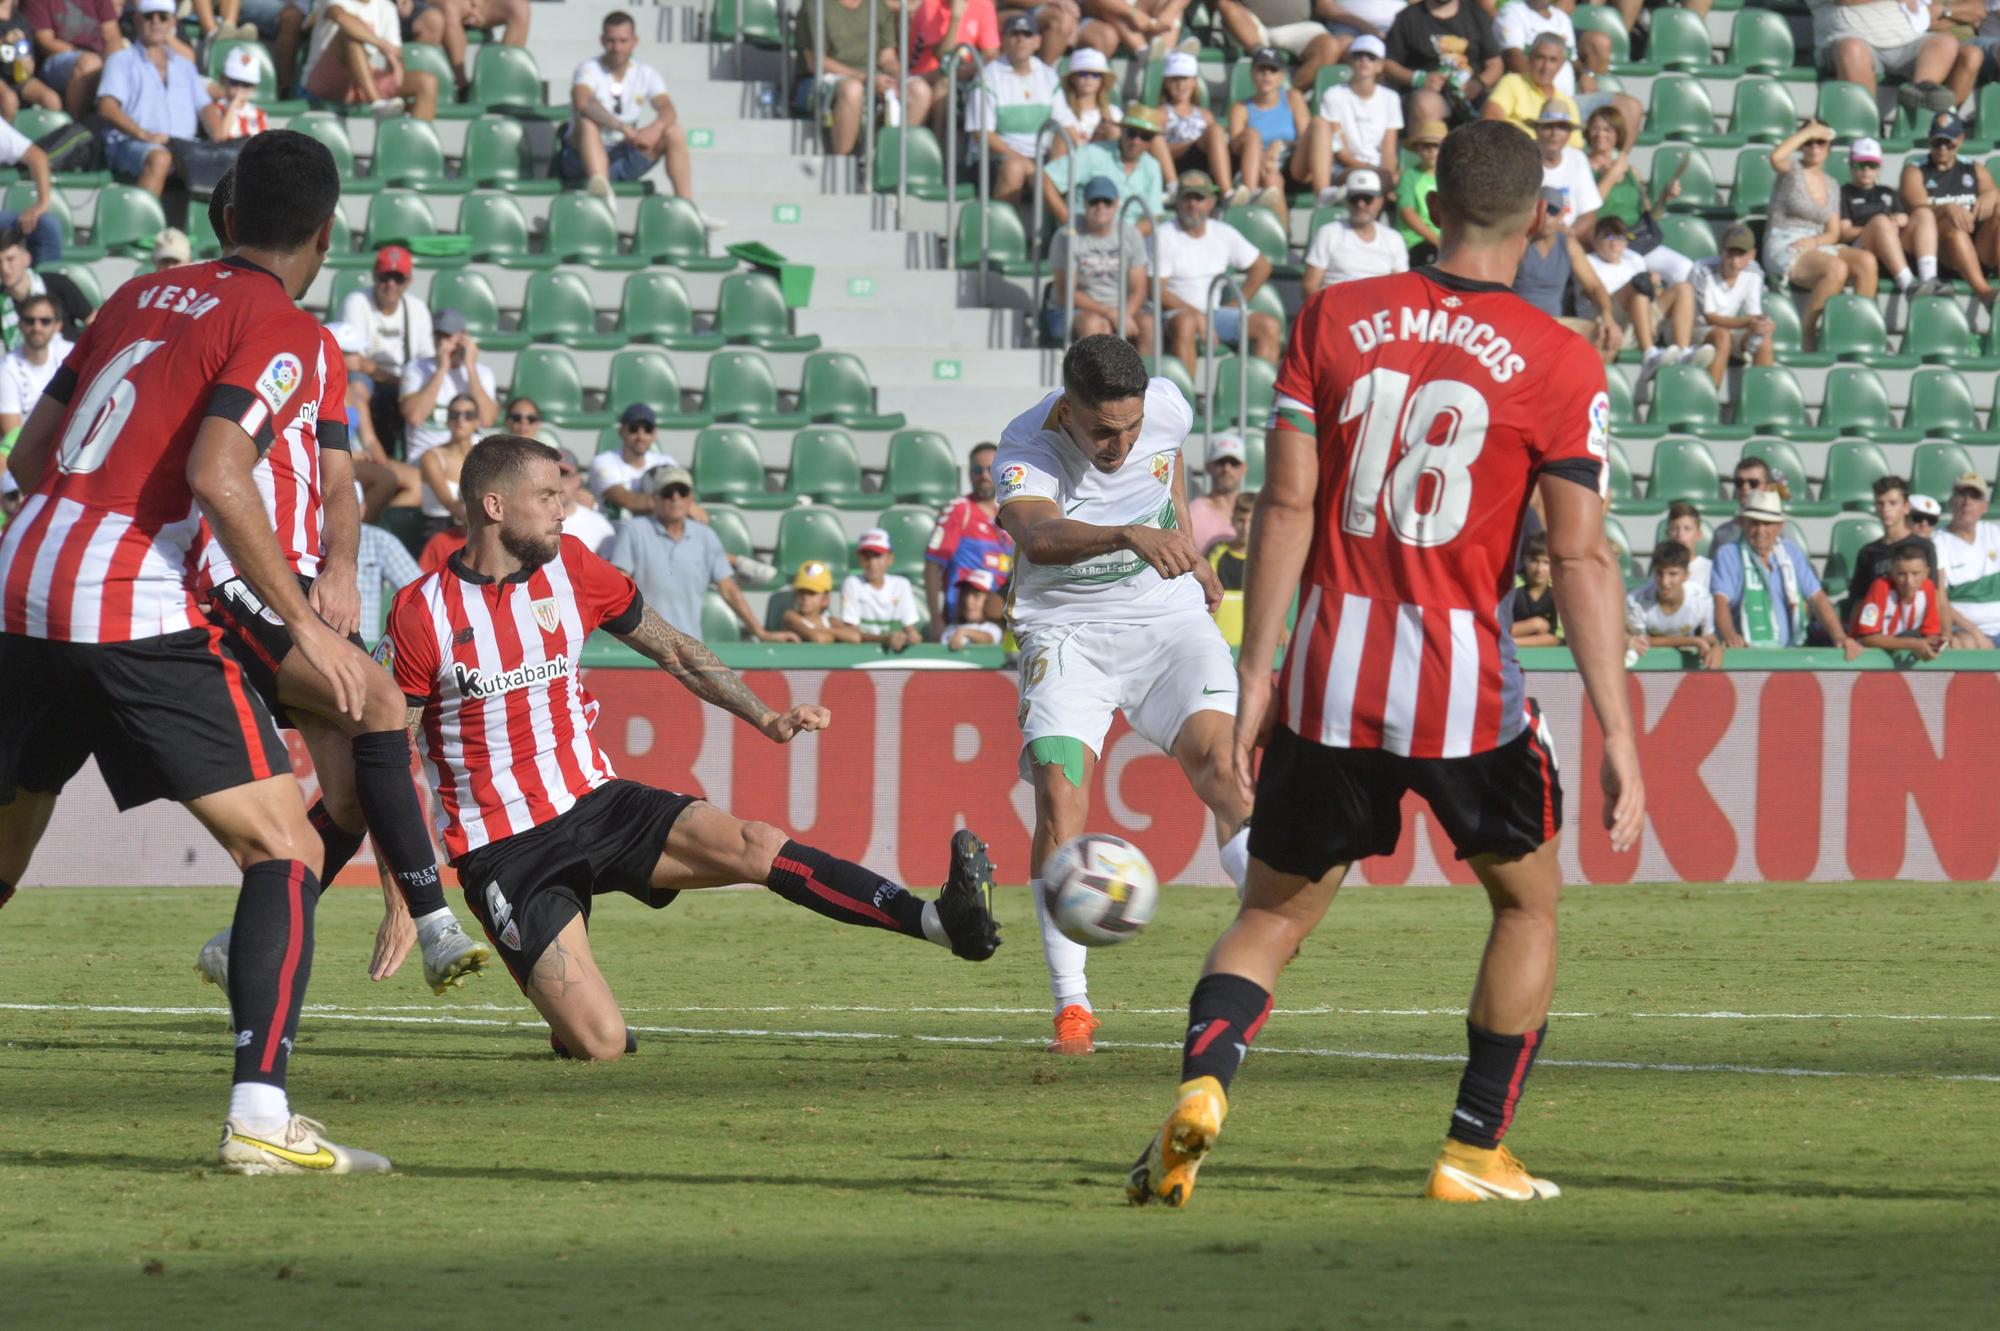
pixel 1152 269
pixel 784 63
pixel 868 101
pixel 948 59
pixel 1226 284
pixel 1043 137
pixel 903 92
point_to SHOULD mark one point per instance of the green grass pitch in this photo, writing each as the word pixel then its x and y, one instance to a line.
pixel 1767 1106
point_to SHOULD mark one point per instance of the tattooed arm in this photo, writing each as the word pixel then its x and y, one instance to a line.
pixel 698 671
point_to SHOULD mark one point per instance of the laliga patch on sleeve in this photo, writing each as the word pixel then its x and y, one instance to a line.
pixel 280 379
pixel 1871 615
pixel 385 653
pixel 1600 426
pixel 1013 477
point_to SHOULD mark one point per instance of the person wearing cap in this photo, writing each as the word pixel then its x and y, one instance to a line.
pixel 1873 218
pixel 1062 25
pixel 1110 272
pixel 810 615
pixel 1413 194
pixel 1296 27
pixel 1551 265
pixel 605 140
pixel 1802 232
pixel 396 331
pixel 1968 552
pixel 234 115
pixel 430 382
pixel 882 606
pixel 1265 130
pixel 356 58
pixel 965 537
pixel 26 370
pixel 974 626
pixel 1193 137
pixel 443 461
pixel 1899 513
pixel 1445 53
pixel 1012 100
pixel 1729 305
pixel 171 249
pixel 1651 309
pixel 19 280
pixel 1750 475
pixel 1136 164
pixel 1764 586
pixel 1358 125
pixel 1358 245
pixel 615 473
pixel 833 91
pixel 1212 514
pixel 1521 97
pixel 1567 170
pixel 1194 249
pixel 149 96
pixel 675 558
pixel 1865 41
pixel 1961 196
pixel 1083 105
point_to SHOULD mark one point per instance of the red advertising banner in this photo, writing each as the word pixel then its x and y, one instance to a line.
pixel 1751 777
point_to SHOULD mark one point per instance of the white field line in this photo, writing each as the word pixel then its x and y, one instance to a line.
pixel 1358 1055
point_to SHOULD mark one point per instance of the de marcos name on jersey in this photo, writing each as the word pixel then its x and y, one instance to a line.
pixel 1474 337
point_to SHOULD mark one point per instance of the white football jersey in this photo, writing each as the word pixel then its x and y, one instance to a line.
pixel 1038 460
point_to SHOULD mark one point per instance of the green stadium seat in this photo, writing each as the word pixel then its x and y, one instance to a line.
pixel 1849 110
pixel 549 376
pixel 718 622
pixel 1261 227
pixel 557 308
pixel 729 466
pixel 1605 19
pixel 1614 532
pixel 470 292
pixel 1684 399
pixel 21 194
pixel 1699 193
pixel 731 528
pixel 1690 235
pixel 1006 248
pixel 1685 469
pixel 1856 403
pixel 1788 334
pixel 1785 462
pixel 497 156
pixel 1624 491
pixel 85 277
pixel 670 231
pixel 1679 40
pixel 331 130
pixel 812 533
pixel 499 232
pixel 1852 468
pixel 1171 369
pixel 751 311
pixel 922 469
pixel 1938 333
pixel 1680 109
pixel 583 229
pixel 760 23
pixel 1750 191
pixel 398 216
pixel 1760 42
pixel 1940 404
pixel 909 527
pixel 647 374
pixel 1229 408
pixel 350 280
pixel 1769 400
pixel 128 220
pixel 1935 467
pixel 835 387
pixel 1253 459
pixel 655 308
pixel 741 389
pixel 926 165
pixel 1764 111
pixel 1852 329
pixel 409 155
pixel 429 58
pixel 1849 534
pixel 507 77
pixel 340 249
pixel 32 122
pixel 826 468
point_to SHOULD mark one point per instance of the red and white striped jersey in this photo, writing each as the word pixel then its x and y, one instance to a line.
pixel 495 667
pixel 1436 402
pixel 287 476
pixel 99 551
pixel 1883 611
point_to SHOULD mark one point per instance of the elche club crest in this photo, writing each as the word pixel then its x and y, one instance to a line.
pixel 1163 468
pixel 548 614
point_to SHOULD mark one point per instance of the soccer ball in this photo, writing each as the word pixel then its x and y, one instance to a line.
pixel 1099 890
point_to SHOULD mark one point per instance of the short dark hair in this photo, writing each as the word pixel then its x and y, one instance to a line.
pixel 1884 484
pixel 10 236
pixel 1911 547
pixel 1488 179
pixel 1535 547
pixel 618 18
pixel 495 462
pixel 520 398
pixel 1672 554
pixel 1751 460
pixel 39 298
pixel 218 204
pixel 457 398
pixel 293 186
pixel 1104 368
pixel 983 446
pixel 1681 508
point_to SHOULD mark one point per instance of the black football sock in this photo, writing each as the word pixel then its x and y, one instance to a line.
pixel 389 803
pixel 1224 1015
pixel 845 891
pixel 270 959
pixel 336 844
pixel 1495 1071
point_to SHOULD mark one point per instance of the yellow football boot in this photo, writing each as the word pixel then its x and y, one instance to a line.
pixel 1165 1171
pixel 1465 1173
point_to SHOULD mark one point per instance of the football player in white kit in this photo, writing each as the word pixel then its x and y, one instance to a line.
pixel 1111 604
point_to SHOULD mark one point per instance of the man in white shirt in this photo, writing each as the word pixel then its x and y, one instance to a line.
pixel 1358 246
pixel 27 369
pixel 1968 553
pixel 614 476
pixel 1518 25
pixel 1360 122
pixel 35 222
pixel 883 605
pixel 605 141
pixel 1014 96
pixel 356 57
pixel 431 382
pixel 579 519
pixel 1729 304
pixel 395 330
pixel 1567 169
pixel 1194 250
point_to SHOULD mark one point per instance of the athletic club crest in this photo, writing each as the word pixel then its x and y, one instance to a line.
pixel 548 614
pixel 1163 470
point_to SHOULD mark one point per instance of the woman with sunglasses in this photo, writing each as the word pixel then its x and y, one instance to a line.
pixel 1802 236
pixel 441 464
pixel 1084 107
pixel 1264 129
pixel 1195 139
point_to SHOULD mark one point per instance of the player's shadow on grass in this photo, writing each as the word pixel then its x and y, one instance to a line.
pixel 1379 1180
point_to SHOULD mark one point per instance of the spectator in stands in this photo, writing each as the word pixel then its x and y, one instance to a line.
pixel 1668 611
pixel 1083 104
pixel 880 604
pixel 614 475
pixel 356 57
pixel 1586 55
pixel 1752 475
pixel 18 85
pixel 281 23
pixel 36 222
pixel 1647 307
pixel 26 370
pixel 431 382
pixel 1551 265
pixel 973 627
pixel 1230 556
pixel 382 564
pixel 74 37
pixel 1147 28
pixel 1864 41
pixel 1110 273
pixel 443 461
pixel 580 516
pixel 1265 131
pixel 1413 194
pixel 233 115
pixel 965 537
pixel 676 559
pixel 1194 139
pixel 1567 170
pixel 1683 527
pixel 1133 166
pixel 1522 95
pixel 1607 147
pixel 1873 219
pixel 395 332
pixel 1291 26
pixel 1729 303
pixel 149 96
pixel 1061 24
pixel 833 93
pixel 171 249
pixel 19 280
pixel 1008 107
pixel 1763 585
pixel 445 23
pixel 810 615
pixel 1194 250
pixel 1876 560
pixel 1802 234
pixel 1212 515
pixel 605 141
pixel 1532 617
pixel 1358 124
pixel 1900 612
pixel 1968 551
pixel 940 25
pixel 1358 245
pixel 1962 197
pixel 1444 52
